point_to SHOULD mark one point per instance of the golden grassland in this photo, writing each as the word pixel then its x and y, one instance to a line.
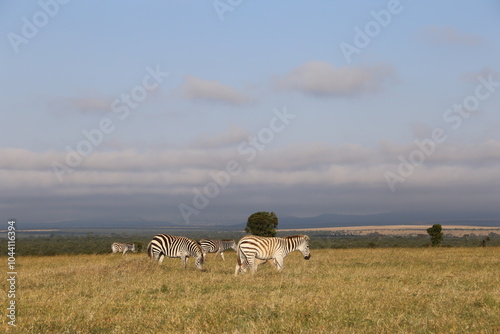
pixel 390 290
pixel 404 230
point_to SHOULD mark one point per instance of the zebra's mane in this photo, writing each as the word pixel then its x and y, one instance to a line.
pixel 199 247
pixel 298 236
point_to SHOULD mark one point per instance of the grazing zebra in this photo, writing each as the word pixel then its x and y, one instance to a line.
pixel 175 247
pixel 253 247
pixel 216 246
pixel 118 247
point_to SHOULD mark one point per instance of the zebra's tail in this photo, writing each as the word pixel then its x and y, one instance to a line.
pixel 238 255
pixel 239 262
pixel 150 254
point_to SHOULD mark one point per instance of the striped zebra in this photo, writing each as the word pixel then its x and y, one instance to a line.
pixel 253 247
pixel 216 246
pixel 118 247
pixel 175 247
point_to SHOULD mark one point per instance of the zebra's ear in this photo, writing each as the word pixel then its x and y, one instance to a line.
pixel 306 237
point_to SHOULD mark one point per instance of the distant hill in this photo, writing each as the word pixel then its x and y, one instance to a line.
pixel 391 218
pixel 287 222
pixel 101 222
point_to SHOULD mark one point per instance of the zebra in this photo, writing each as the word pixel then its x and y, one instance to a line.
pixel 252 247
pixel 118 247
pixel 216 246
pixel 175 247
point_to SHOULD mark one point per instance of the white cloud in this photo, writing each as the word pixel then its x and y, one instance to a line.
pixel 450 36
pixel 80 105
pixel 232 136
pixel 310 176
pixel 324 79
pixel 213 91
pixel 485 153
pixel 486 72
pixel 314 156
pixel 312 164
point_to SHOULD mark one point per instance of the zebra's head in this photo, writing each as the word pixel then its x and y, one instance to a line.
pixel 303 246
pixel 199 260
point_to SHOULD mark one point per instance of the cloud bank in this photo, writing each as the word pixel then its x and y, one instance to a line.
pixel 324 178
pixel 210 90
pixel 323 79
pixel 450 36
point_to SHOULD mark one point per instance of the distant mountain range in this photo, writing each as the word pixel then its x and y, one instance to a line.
pixel 100 222
pixel 391 218
pixel 290 222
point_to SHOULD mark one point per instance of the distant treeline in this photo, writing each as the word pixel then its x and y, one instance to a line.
pixel 92 243
pixel 378 240
pixel 59 243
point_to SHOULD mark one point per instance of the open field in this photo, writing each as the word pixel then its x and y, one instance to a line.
pixel 68 243
pixel 383 290
pixel 405 230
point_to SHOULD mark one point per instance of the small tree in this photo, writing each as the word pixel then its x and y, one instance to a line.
pixel 485 241
pixel 139 246
pixel 436 234
pixel 262 224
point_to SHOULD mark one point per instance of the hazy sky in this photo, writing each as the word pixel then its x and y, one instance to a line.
pixel 190 111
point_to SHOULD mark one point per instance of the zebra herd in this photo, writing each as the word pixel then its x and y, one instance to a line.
pixel 251 250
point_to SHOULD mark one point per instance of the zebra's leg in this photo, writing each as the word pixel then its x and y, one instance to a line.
pixel 239 264
pixel 240 267
pixel 219 252
pixel 274 263
pixel 160 258
pixel 153 257
pixel 253 265
pixel 244 266
pixel 184 261
pixel 222 255
pixel 279 263
pixel 260 262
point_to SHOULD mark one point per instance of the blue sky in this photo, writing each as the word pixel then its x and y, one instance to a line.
pixel 171 93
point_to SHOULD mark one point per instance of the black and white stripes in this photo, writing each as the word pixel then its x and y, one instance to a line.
pixel 253 247
pixel 216 246
pixel 118 247
pixel 164 245
pixel 251 250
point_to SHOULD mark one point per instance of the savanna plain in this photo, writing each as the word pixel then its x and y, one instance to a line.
pixel 380 290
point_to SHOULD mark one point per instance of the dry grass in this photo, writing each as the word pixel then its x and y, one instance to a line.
pixel 438 290
pixel 405 230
